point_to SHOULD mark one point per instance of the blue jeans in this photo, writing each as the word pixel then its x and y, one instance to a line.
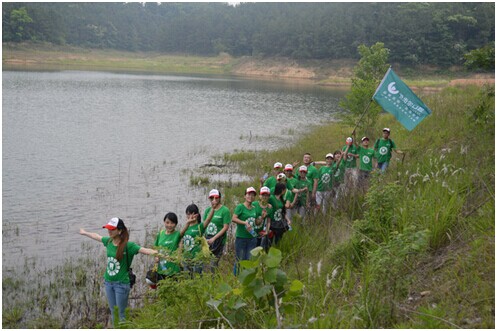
pixel 117 295
pixel 383 166
pixel 243 246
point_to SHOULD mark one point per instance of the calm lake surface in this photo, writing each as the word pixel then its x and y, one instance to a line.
pixel 82 147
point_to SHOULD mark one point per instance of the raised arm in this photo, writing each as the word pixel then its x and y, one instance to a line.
pixel 209 218
pixel 92 235
pixel 192 219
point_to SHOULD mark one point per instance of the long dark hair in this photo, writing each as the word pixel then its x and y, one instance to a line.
pixel 124 235
pixel 278 190
pixel 193 209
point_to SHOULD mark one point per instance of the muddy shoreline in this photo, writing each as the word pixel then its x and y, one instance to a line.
pixel 331 73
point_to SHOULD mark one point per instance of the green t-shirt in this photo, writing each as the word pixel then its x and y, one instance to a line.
pixel 312 173
pixel 191 246
pixel 325 179
pixel 277 220
pixel 351 161
pixel 383 148
pixel 289 196
pixel 300 184
pixel 166 244
pixel 269 211
pixel 338 171
pixel 271 183
pixel 366 157
pixel 117 271
pixel 221 217
pixel 248 215
pixel 290 183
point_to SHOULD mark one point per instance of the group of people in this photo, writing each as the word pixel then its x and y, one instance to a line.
pixel 282 196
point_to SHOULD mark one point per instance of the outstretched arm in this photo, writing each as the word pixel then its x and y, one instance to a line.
pixel 147 251
pixel 92 235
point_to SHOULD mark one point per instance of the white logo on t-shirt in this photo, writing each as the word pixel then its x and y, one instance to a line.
pixel 325 178
pixel 251 221
pixel 366 159
pixel 383 150
pixel 113 266
pixel 211 229
pixel 188 242
pixel 278 216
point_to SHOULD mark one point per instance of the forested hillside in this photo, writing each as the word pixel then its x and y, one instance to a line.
pixel 416 33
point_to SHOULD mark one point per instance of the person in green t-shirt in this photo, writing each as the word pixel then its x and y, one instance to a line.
pixel 216 232
pixel 192 234
pixel 313 176
pixel 280 223
pixel 246 219
pixel 383 148
pixel 120 253
pixel 366 156
pixel 271 181
pixel 325 184
pixel 166 242
pixel 291 194
pixel 338 170
pixel 351 170
pixel 304 185
pixel 263 205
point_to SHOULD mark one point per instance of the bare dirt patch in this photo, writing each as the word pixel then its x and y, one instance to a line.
pixel 479 81
pixel 272 68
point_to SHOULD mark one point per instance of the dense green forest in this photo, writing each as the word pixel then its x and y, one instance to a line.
pixel 416 33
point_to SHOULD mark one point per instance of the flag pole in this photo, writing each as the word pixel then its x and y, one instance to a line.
pixel 372 98
pixel 364 113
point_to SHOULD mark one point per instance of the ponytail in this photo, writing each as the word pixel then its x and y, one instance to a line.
pixel 124 240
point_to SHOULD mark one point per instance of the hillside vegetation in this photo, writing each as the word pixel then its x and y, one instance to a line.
pixel 417 251
pixel 431 33
pixel 47 56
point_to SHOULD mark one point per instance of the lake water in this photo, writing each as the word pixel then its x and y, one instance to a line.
pixel 82 147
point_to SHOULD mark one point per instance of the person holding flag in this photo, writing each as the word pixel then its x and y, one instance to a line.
pixel 395 97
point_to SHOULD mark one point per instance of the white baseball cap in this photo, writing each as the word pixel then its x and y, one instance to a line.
pixel 214 193
pixel 386 129
pixel 364 138
pixel 303 168
pixel 330 155
pixel 250 190
pixel 114 223
pixel 265 190
pixel 280 176
pixel 289 167
pixel 278 165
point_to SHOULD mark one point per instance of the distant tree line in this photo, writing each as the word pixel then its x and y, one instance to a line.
pixel 416 33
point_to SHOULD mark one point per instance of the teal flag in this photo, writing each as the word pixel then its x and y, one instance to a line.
pixel 395 97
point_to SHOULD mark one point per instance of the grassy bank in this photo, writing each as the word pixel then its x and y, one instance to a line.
pixel 42 56
pixel 416 252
